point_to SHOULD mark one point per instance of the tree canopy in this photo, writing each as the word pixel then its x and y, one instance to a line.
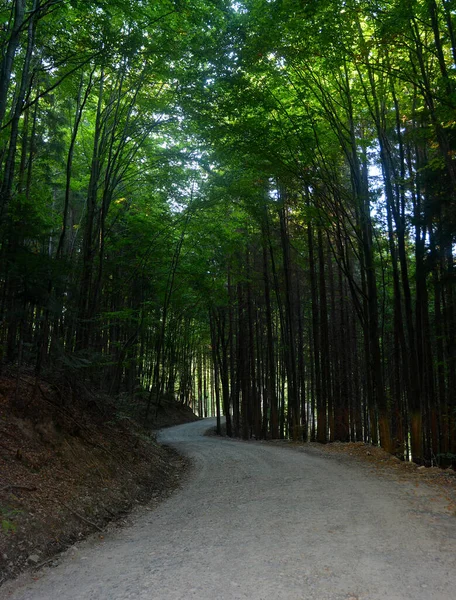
pixel 249 206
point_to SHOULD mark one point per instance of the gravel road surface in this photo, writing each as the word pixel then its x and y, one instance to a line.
pixel 262 522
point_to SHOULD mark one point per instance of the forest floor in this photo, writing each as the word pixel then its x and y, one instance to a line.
pixel 66 471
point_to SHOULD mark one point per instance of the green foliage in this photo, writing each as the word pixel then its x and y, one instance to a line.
pixel 8 516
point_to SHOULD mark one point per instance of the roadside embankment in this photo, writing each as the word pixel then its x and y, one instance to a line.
pixel 66 472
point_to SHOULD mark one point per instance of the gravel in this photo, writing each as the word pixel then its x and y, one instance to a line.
pixel 262 522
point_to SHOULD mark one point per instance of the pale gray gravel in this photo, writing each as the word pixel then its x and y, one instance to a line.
pixel 262 522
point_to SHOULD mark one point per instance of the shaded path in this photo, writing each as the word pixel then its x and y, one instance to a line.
pixel 265 523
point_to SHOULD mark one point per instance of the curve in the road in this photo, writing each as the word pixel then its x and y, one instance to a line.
pixel 262 522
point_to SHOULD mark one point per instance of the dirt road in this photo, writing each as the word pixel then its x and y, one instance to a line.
pixel 265 523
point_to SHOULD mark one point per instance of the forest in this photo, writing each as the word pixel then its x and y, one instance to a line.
pixel 248 206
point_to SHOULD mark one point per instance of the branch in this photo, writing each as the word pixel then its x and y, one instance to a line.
pixel 49 89
pixel 79 515
pixel 18 487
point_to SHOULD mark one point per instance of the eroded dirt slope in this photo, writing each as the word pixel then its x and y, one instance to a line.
pixel 65 472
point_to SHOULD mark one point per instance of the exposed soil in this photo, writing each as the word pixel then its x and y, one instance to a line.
pixel 67 470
